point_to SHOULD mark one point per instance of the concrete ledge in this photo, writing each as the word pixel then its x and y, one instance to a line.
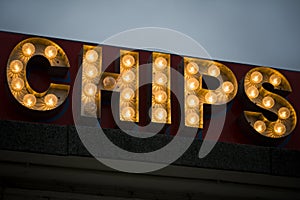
pixel 31 137
pixel 285 162
pixel 63 140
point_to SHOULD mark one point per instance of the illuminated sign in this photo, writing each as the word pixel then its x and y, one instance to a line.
pixel 275 103
pixel 269 114
pixel 36 50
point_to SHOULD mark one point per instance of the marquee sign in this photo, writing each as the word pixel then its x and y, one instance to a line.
pixel 39 75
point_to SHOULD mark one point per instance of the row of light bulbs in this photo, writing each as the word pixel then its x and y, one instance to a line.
pixel 279 128
pixel 192 100
pixel 257 77
pixel 28 49
pixel 160 78
pixel 91 72
pixel 127 93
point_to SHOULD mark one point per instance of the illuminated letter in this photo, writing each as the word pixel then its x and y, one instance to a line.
pixel 161 99
pixel 129 86
pixel 196 96
pixel 253 87
pixel 56 94
pixel 94 80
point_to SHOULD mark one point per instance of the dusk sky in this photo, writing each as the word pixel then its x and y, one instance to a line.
pixel 261 32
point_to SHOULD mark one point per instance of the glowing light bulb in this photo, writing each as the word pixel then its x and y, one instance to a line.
pixel 109 82
pixel 90 107
pixel 193 84
pixel 91 56
pixel 128 60
pixel 128 113
pixel 260 126
pixel 28 49
pixel 211 98
pixel 160 63
pixel 29 100
pixel 252 92
pixel 192 68
pixel 17 84
pixel 160 78
pixel 279 129
pixel 50 100
pixel 160 114
pixel 160 96
pixel 91 71
pixel 128 77
pixel 213 71
pixel 51 52
pixel 127 94
pixel 90 89
pixel 192 119
pixel 268 102
pixel 275 80
pixel 192 101
pixel 16 66
pixel 227 87
pixel 284 113
pixel 256 77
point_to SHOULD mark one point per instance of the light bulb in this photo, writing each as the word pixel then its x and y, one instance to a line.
pixel 256 77
pixel 90 107
pixel 252 92
pixel 160 63
pixel 260 126
pixel 29 100
pixel 275 80
pixel 109 82
pixel 211 98
pixel 193 84
pixel 227 87
pixel 284 113
pixel 128 60
pixel 128 77
pixel 160 96
pixel 16 66
pixel 192 119
pixel 91 56
pixel 192 101
pixel 128 113
pixel 28 49
pixel 50 100
pixel 279 129
pixel 90 89
pixel 214 71
pixel 127 94
pixel 160 114
pixel 91 71
pixel 50 52
pixel 192 68
pixel 160 78
pixel 268 102
pixel 17 84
